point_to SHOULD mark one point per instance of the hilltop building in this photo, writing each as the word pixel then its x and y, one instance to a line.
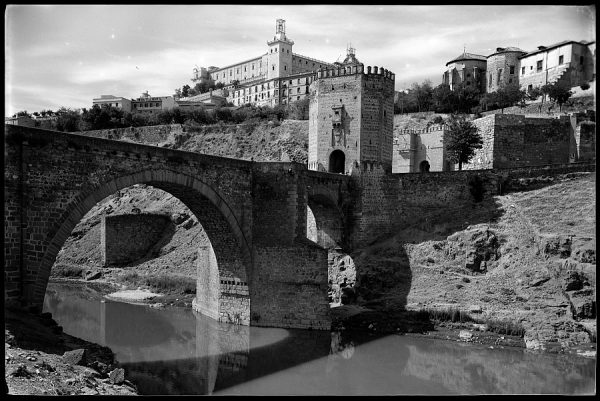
pixel 569 62
pixel 113 101
pixel 147 104
pixel 278 76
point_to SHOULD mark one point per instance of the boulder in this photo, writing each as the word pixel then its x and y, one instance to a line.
pixel 76 357
pixel 481 245
pixel 465 335
pixel 117 376
pixel 179 217
pixel 553 245
pixel 583 304
pixel 93 275
pixel 573 281
pixel 189 223
pixel 584 250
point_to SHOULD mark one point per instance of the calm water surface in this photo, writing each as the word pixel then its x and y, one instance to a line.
pixel 178 351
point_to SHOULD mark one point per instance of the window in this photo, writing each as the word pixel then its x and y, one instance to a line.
pixel 581 60
pixel 468 75
pixel 539 65
pixel 298 98
pixel 490 81
pixel 273 68
pixel 512 69
pixel 561 59
pixel 522 70
pixel 510 80
pixel 529 88
pixel 499 76
pixel 285 67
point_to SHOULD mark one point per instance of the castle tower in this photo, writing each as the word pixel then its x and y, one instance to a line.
pixel 503 68
pixel 279 55
pixel 351 118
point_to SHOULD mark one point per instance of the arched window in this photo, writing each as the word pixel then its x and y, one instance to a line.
pixel 424 166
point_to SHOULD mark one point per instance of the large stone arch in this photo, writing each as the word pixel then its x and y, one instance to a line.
pixel 231 246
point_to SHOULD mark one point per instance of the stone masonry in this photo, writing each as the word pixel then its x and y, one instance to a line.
pixel 511 141
pixel 261 269
pixel 129 237
pixel 351 118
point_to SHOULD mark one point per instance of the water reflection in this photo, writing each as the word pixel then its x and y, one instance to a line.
pixel 177 351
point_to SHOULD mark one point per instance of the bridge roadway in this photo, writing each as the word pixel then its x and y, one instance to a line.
pixel 254 213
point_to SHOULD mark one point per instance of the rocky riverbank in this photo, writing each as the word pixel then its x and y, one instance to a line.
pixel 40 359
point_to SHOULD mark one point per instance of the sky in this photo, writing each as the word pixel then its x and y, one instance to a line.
pixel 67 55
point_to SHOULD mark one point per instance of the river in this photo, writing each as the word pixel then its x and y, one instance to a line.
pixel 178 351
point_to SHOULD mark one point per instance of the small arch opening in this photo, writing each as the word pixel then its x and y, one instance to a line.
pixel 424 166
pixel 337 161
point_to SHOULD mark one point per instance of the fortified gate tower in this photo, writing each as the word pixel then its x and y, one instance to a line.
pixel 351 115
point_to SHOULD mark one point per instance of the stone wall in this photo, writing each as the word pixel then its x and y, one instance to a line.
pixel 585 138
pixel 389 202
pixel 126 238
pixel 516 140
pixel 413 147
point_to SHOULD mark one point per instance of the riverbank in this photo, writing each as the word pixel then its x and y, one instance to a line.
pixel 40 359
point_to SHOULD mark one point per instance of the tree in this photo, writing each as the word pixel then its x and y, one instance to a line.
pixel 557 93
pixel 461 139
pixel 422 95
pixel 443 98
pixel 465 97
pixel 68 120
pixel 505 96
pixel 185 90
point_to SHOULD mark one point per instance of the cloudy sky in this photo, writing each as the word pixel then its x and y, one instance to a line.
pixel 67 55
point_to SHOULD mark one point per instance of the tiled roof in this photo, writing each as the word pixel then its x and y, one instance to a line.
pixel 467 56
pixel 546 48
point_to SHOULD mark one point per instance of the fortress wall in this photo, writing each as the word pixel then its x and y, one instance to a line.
pixel 129 237
pixel 411 147
pixel 390 202
pixel 516 140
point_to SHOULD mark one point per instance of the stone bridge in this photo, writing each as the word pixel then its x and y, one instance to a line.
pixel 261 269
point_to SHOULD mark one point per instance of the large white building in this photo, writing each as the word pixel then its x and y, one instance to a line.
pixel 278 76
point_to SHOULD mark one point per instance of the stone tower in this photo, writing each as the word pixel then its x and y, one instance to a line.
pixel 503 67
pixel 351 118
pixel 279 55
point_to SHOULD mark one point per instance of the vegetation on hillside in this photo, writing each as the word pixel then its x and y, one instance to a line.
pixel 465 98
pixel 108 117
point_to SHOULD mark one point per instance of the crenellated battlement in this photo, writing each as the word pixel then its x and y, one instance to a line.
pixel 434 128
pixel 355 69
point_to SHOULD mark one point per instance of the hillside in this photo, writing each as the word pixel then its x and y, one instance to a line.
pixel 540 269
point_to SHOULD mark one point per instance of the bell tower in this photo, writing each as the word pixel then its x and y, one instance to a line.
pixel 279 55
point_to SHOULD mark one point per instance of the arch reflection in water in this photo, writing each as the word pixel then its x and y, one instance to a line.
pixel 198 355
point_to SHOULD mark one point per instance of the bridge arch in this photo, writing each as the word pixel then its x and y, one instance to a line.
pixel 230 243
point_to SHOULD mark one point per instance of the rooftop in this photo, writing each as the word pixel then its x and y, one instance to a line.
pixel 541 49
pixel 467 56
